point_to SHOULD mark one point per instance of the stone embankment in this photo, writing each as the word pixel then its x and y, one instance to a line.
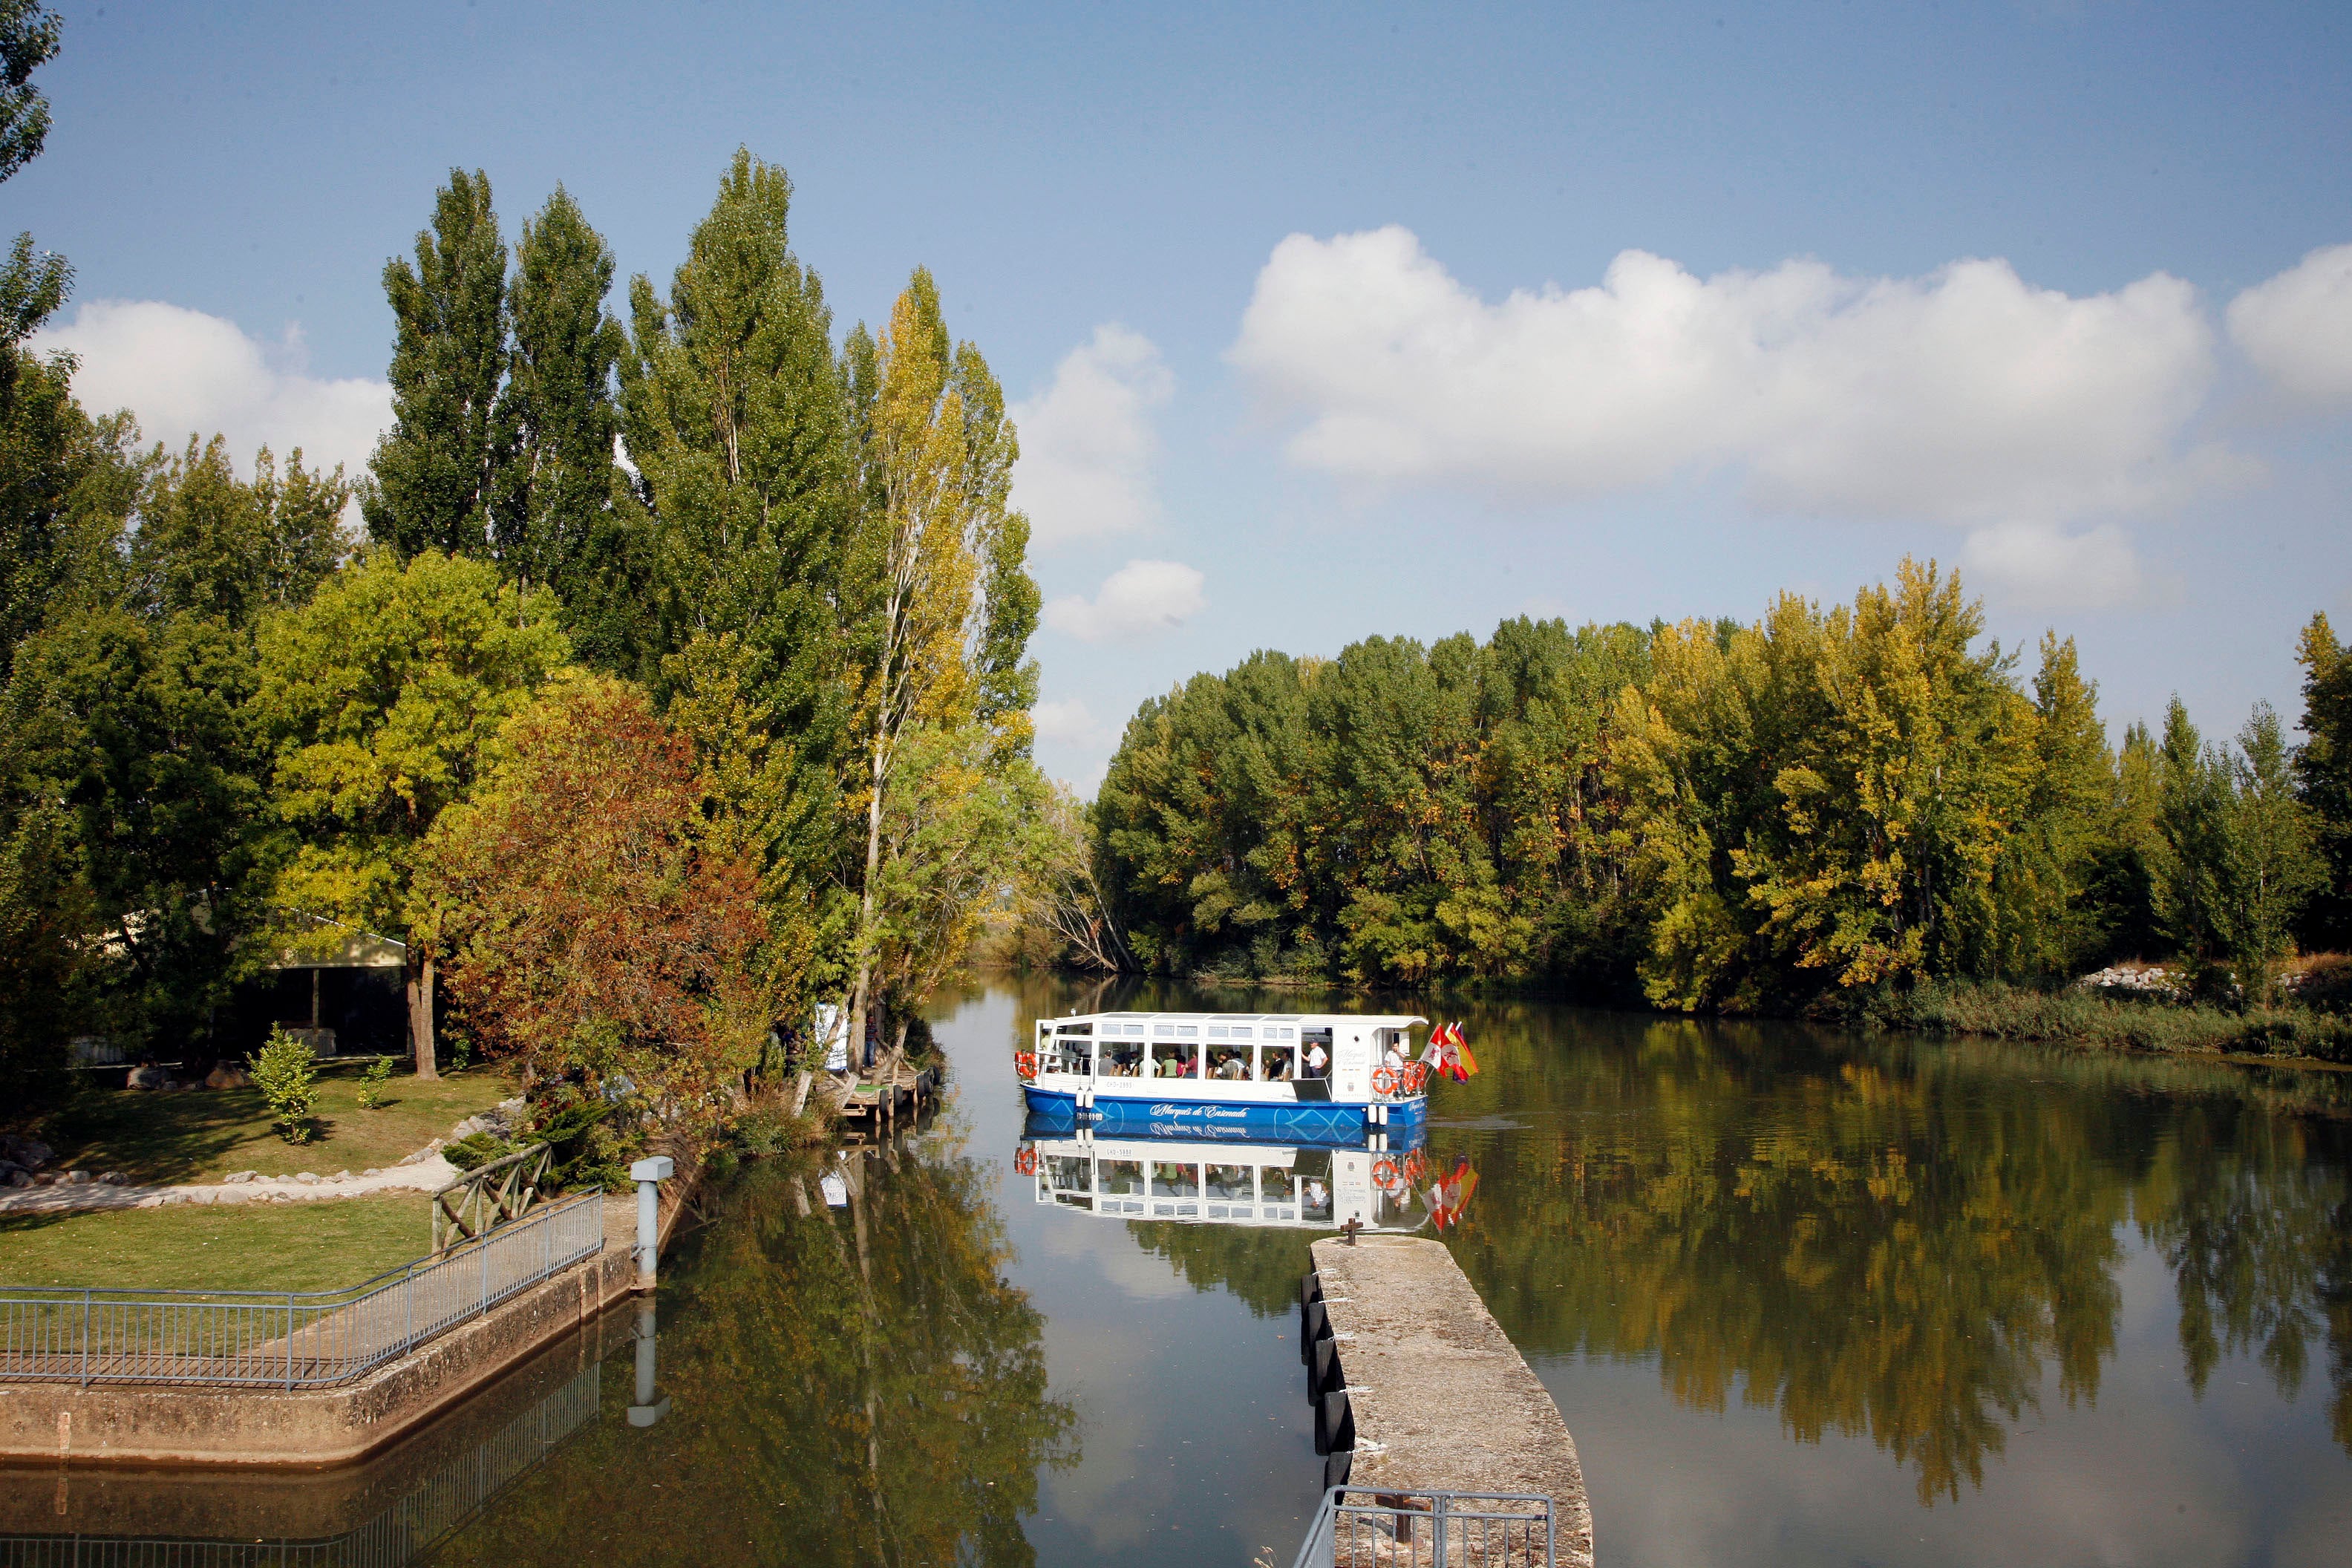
pixel 1437 1396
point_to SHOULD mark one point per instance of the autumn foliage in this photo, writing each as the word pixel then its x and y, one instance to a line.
pixel 589 930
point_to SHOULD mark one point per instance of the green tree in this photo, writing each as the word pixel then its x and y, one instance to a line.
pixel 211 544
pixel 553 515
pixel 2323 768
pixel 28 39
pixel 2271 862
pixel 378 699
pixel 736 416
pixel 135 729
pixel 2187 857
pixel 437 470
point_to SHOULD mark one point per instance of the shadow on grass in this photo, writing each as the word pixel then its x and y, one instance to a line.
pixel 157 1137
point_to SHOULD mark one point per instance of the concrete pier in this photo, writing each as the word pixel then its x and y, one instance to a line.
pixel 1437 1395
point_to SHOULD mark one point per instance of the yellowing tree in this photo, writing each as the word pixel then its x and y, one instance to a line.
pixel 948 609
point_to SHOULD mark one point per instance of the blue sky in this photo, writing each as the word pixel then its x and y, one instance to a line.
pixel 1330 320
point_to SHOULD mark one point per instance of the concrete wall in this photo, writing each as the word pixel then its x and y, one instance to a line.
pixel 310 1428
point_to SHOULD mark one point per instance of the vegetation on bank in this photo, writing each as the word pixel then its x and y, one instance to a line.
pixel 1854 811
pixel 202 1135
pixel 679 684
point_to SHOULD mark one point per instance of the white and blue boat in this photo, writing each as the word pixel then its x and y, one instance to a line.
pixel 1320 1077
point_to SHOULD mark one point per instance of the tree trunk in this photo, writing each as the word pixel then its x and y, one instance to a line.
pixel 420 1015
pixel 872 867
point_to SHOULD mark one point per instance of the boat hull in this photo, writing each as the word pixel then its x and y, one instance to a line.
pixel 1309 1122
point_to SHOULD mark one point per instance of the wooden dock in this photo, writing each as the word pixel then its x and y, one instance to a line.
pixel 1413 1373
pixel 871 1102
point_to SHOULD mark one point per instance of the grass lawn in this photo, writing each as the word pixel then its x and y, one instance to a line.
pixel 321 1246
pixel 206 1133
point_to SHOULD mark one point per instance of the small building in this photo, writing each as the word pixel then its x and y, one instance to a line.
pixel 345 998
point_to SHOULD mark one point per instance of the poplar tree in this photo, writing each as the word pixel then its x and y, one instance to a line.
pixel 437 470
pixel 948 607
pixel 553 517
pixel 737 420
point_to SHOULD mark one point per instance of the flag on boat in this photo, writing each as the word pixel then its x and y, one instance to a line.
pixel 1447 1053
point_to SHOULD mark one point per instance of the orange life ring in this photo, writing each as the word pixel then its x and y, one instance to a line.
pixel 1025 1063
pixel 1026 1162
pixel 1415 1075
pixel 1384 1173
pixel 1384 1081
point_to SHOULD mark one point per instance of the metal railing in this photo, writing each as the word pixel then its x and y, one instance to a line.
pixel 284 1339
pixel 1358 1527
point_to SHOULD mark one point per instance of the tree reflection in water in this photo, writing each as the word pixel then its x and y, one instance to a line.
pixel 850 1385
pixel 1900 1239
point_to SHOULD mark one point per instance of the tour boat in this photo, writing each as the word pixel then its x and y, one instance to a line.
pixel 1212 1182
pixel 1313 1076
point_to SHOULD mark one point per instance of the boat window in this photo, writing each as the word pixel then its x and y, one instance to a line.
pixel 1170 1059
pixel 1229 1062
pixel 1277 1064
pixel 1072 1053
pixel 1309 1040
pixel 1279 1184
pixel 1173 1181
pixel 1217 1032
pixel 1230 1184
pixel 1121 1186
pixel 1314 1199
pixel 1070 1172
pixel 1122 1060
pixel 1280 1032
pixel 1188 1031
pixel 1241 1031
pixel 1077 1029
pixel 1163 1031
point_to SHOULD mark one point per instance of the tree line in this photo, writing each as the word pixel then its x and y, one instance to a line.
pixel 1789 814
pixel 676 681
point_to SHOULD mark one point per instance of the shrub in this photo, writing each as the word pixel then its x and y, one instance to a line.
pixel 372 1084
pixel 477 1150
pixel 288 1076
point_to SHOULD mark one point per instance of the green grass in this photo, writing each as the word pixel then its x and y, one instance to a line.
pixel 321 1246
pixel 204 1135
pixel 2018 1013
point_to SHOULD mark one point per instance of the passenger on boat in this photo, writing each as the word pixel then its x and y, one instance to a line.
pixel 1235 1066
pixel 1176 1066
pixel 1315 1058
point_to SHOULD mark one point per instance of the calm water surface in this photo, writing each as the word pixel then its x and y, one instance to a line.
pixel 1803 1298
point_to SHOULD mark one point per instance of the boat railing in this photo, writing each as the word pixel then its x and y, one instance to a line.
pixel 1417 1528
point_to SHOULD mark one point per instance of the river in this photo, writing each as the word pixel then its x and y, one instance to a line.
pixel 1804 1298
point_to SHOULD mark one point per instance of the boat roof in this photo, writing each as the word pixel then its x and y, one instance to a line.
pixel 1378 1020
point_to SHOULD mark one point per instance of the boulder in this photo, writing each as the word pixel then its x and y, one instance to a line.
pixel 31 1153
pixel 227 1074
pixel 236 1178
pixel 147 1076
pixel 77 1178
pixel 308 1178
pixel 18 1177
pixel 113 1179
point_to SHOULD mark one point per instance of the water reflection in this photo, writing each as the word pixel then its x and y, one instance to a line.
pixel 845 1384
pixel 1233 1182
pixel 1890 1239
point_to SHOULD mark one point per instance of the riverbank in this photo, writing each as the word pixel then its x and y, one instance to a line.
pixel 2292 1036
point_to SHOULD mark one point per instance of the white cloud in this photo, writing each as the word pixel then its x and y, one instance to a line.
pixel 184 373
pixel 2296 328
pixel 1140 596
pixel 2034 566
pixel 1067 721
pixel 1087 447
pixel 1965 395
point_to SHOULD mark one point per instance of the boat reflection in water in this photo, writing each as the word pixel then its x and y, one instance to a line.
pixel 1378 1182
